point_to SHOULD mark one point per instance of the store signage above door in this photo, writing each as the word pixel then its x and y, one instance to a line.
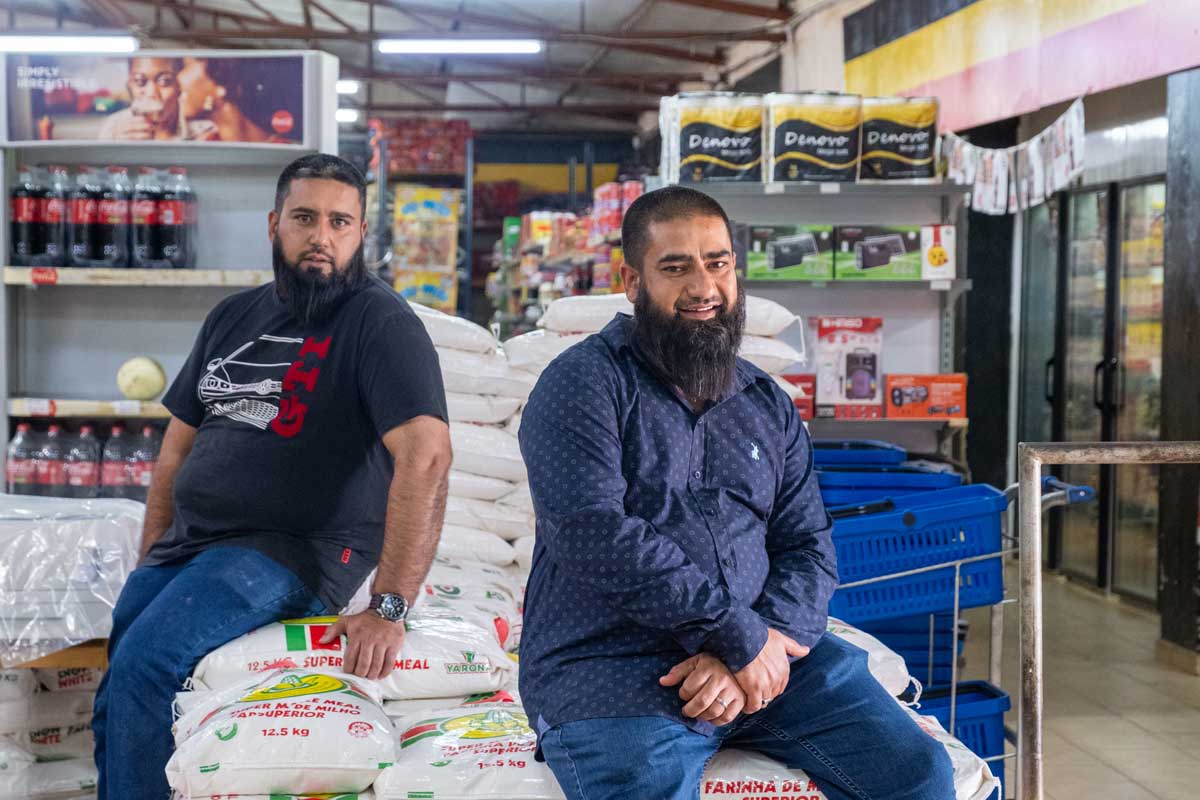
pixel 193 96
pixel 988 60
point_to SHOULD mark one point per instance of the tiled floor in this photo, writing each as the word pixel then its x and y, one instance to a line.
pixel 1118 723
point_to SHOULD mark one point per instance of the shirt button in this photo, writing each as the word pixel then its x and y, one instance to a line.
pixel 728 562
pixel 712 512
pixel 696 474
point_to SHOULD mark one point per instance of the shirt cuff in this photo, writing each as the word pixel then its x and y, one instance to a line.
pixel 739 639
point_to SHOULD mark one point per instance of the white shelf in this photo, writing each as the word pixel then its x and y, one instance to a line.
pixel 891 190
pixel 86 409
pixel 71 276
pixel 955 285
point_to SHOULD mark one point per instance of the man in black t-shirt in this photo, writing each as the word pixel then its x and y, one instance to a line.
pixel 307 445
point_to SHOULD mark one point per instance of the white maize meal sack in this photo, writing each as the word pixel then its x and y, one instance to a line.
pixel 535 350
pixel 79 679
pixel 404 709
pixel 885 664
pixel 292 731
pixel 505 521
pixel 523 552
pixel 474 753
pixel 441 657
pixel 480 409
pixel 519 497
pixel 478 487
pixel 482 606
pixel 472 573
pixel 45 710
pixel 770 355
pixel 513 426
pixel 454 333
pixel 54 780
pixel 17 683
pixel 491 452
pixel 366 794
pixel 475 373
pixel 13 756
pixel 468 544
pixel 742 775
pixel 590 313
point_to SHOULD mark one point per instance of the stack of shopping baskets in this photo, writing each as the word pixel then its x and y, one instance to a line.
pixel 914 547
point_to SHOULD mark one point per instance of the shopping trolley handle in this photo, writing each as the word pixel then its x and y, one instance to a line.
pixel 1073 493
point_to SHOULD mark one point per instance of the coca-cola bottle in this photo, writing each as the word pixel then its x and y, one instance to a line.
pixel 192 215
pixel 51 464
pixel 82 463
pixel 147 194
pixel 113 219
pixel 173 218
pixel 21 467
pixel 142 458
pixel 83 214
pixel 54 218
pixel 26 204
pixel 114 466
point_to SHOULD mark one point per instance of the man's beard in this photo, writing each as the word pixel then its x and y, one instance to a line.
pixel 310 295
pixel 697 356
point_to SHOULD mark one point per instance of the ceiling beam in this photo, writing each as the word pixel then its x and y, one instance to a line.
pixel 648 83
pixel 306 9
pixel 733 7
pixel 631 19
pixel 332 15
pixel 630 109
pixel 201 9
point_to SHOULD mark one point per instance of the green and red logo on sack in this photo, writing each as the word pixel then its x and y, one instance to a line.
pixel 491 724
pixel 305 634
pixel 468 665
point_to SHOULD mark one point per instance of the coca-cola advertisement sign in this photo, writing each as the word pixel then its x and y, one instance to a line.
pixel 157 97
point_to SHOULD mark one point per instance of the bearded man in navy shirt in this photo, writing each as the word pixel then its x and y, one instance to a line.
pixel 683 566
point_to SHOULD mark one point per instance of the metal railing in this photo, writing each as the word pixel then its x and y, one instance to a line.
pixel 1031 458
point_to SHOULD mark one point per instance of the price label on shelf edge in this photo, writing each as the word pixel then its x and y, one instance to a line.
pixel 43 276
pixel 37 407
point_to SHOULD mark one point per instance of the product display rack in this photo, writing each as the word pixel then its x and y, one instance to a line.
pixel 67 330
pixel 922 319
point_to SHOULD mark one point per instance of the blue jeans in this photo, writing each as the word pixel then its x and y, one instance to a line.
pixel 167 618
pixel 834 721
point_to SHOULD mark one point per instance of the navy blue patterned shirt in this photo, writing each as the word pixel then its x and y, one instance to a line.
pixel 661 533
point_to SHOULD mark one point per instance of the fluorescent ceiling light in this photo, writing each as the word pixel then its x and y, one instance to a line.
pixel 346 115
pixel 25 43
pixel 461 46
pixel 347 87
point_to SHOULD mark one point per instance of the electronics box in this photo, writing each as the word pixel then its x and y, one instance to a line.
pixel 938 261
pixel 790 253
pixel 849 359
pixel 878 253
pixel 927 396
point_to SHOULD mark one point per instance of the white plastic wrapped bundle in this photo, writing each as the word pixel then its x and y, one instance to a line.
pixel 45 710
pixel 441 657
pixel 399 710
pixel 480 752
pixel 505 521
pixel 770 355
pixel 71 679
pixel 17 683
pixel 885 664
pixel 454 333
pixel 337 737
pixel 590 313
pixel 13 757
pixel 519 497
pixel 742 775
pixel 478 487
pixel 74 779
pixel 65 562
pixel 490 452
pixel 475 373
pixel 467 544
pixel 481 409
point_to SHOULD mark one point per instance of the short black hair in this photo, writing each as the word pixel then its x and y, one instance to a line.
pixel 663 205
pixel 323 166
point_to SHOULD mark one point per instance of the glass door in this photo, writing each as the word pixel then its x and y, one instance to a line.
pixel 1039 296
pixel 1084 362
pixel 1137 396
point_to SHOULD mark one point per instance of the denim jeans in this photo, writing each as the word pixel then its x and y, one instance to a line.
pixel 834 721
pixel 167 618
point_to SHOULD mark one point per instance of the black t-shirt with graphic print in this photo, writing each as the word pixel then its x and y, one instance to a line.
pixel 289 458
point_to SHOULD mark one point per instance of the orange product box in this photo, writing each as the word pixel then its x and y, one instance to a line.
pixel 926 396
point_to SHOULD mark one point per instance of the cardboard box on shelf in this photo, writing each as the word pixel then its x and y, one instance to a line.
pixel 938 262
pixel 878 253
pixel 849 367
pixel 807 384
pixel 790 252
pixel 927 396
pixel 432 288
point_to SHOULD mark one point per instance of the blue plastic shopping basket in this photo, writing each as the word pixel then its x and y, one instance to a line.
pixel 919 530
pixel 827 452
pixel 978 720
pixel 847 485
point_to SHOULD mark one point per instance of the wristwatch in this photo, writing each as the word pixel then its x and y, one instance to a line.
pixel 392 607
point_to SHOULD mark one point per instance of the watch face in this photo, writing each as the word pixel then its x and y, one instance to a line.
pixel 392 607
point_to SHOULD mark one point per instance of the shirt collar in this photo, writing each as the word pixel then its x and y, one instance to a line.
pixel 616 335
